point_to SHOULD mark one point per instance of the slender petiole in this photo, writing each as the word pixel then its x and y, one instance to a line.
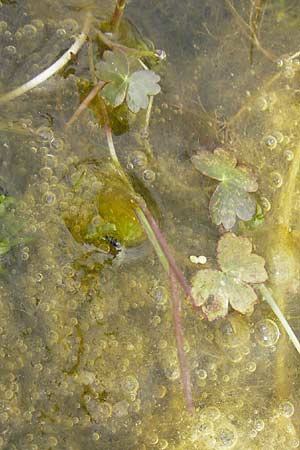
pixel 53 69
pixel 85 103
pixel 185 375
pixel 267 296
pixel 118 14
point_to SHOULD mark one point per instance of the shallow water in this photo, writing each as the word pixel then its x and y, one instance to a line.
pixel 87 346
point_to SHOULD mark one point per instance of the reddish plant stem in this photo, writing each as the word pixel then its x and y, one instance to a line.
pixel 85 103
pixel 165 248
pixel 118 14
pixel 185 376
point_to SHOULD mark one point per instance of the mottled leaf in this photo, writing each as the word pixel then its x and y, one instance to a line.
pixel 241 296
pixel 214 290
pixel 229 201
pixel 236 259
pixel 207 290
pixel 231 198
pixel 142 84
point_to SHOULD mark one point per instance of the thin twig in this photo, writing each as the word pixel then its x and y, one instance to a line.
pixel 53 69
pixel 246 29
pixel 185 375
pixel 85 103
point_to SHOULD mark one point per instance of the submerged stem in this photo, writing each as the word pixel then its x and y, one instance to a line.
pixel 53 69
pixel 118 14
pixel 267 296
pixel 185 375
pixel 167 252
pixel 85 103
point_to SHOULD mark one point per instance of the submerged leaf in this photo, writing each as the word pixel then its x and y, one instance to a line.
pixel 120 84
pixel 114 69
pixel 214 290
pixel 235 258
pixel 231 198
pixel 142 84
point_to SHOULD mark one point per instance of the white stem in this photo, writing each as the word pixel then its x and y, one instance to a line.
pixel 267 296
pixel 53 69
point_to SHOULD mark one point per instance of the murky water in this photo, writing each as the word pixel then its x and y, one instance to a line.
pixel 87 344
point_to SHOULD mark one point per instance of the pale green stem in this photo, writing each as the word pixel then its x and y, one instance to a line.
pixel 267 296
pixel 53 69
pixel 152 238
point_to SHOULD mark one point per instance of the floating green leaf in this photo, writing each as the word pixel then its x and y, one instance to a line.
pixel 135 87
pixel 216 289
pixel 231 198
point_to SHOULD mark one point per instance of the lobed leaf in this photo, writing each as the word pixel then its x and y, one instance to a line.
pixel 228 202
pixel 231 198
pixel 236 259
pixel 214 290
pixel 142 84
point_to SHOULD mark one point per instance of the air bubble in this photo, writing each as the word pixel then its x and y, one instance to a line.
pixel 45 133
pixel 259 424
pixel 70 25
pixel 295 443
pixel 226 437
pixel 262 104
pixel 203 428
pixel 49 198
pixel 172 373
pixel 3 26
pixel 149 175
pixel 276 179
pixel 252 434
pixel 202 374
pixel 163 444
pixel 266 333
pixel 289 155
pixel 287 409
pixel 61 32
pixel 137 159
pixel 29 31
pixel 46 172
pixel 160 295
pixel 270 141
pixel 279 136
pixel 130 384
pixel 211 413
pixel 10 50
pixel 265 203
pixel 251 366
pixel 96 436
